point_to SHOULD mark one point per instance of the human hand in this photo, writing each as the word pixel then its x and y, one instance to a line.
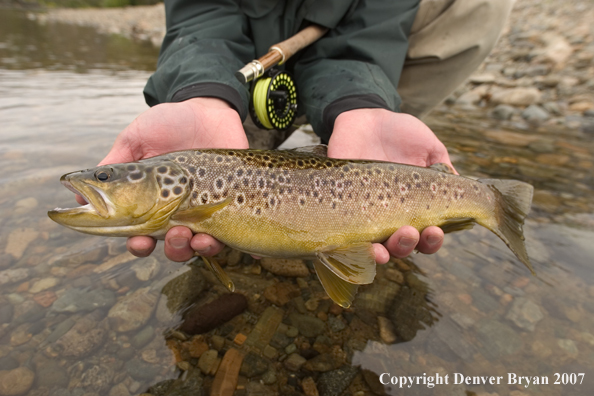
pixel 383 135
pixel 194 123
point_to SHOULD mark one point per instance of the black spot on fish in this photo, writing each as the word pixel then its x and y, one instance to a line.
pixel 328 163
pixel 378 171
pixel 367 195
pixel 239 172
pixel 289 190
pixel 418 185
pixel 173 172
pixel 183 180
pixel 249 172
pixel 281 191
pixel 177 190
pixel 258 172
pixel 246 182
pixel 232 153
pixel 230 178
pixel 333 205
pixel 265 158
pixel 402 200
pixel 416 175
pixel 131 167
pixel 391 168
pixel 165 193
pixel 195 194
pixel 427 207
pixel 219 159
pixel 261 183
pixel 281 179
pixel 136 176
pixel 265 194
pixel 408 186
pixel 270 166
pixel 380 197
pixel 396 179
pixel 258 211
pixel 300 163
pixel 201 172
pixel 250 154
pixel 158 179
pixel 204 198
pixel 162 169
pixel 168 181
pixel 236 186
pixel 386 184
pixel 272 201
pixel 240 199
pixel 301 201
pixel 316 194
pixel 219 183
pixel 181 159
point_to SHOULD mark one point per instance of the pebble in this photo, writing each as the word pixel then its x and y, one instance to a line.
pixel 386 330
pixel 79 300
pixel 140 370
pixel 84 337
pixel 183 289
pixel 336 324
pixel 16 382
pixel 525 314
pixel 203 318
pixel 209 362
pixel 6 313
pixel 119 390
pixel 25 205
pixel 281 293
pixel 143 337
pixel 97 378
pixel 269 377
pixel 14 275
pixel 497 339
pixel 253 365
pixel 44 284
pixel 516 96
pixel 225 381
pixel 535 113
pixel 307 325
pixel 133 311
pixel 294 362
pixel 19 240
pixel 333 383
pixel 285 267
pixel 146 269
pixel 45 298
pixel 503 112
pixel 568 345
pixel 309 387
pixel 393 275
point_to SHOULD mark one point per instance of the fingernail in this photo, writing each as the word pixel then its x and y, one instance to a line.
pixel 205 251
pixel 406 242
pixel 433 240
pixel 178 243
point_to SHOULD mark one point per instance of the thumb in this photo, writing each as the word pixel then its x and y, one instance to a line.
pixel 124 149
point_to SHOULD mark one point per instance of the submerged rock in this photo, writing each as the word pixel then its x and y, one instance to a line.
pixel 16 382
pixel 204 318
pixel 525 314
pixel 333 383
pixel 133 311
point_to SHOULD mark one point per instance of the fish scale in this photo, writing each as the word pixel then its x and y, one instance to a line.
pixel 295 203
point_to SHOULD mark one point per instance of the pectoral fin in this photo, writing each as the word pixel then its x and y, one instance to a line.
pixel 340 291
pixel 219 272
pixel 200 213
pixel 353 263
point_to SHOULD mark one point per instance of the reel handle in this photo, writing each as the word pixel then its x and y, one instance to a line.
pixel 280 53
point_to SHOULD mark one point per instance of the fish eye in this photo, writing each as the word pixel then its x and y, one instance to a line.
pixel 102 175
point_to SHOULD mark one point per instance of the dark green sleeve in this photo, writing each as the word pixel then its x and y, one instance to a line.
pixel 205 44
pixel 357 64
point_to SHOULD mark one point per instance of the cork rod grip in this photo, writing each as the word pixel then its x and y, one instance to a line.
pixel 279 53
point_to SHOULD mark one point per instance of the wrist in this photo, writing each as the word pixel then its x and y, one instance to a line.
pixel 208 102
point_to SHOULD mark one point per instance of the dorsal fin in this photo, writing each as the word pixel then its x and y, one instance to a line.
pixel 443 167
pixel 318 149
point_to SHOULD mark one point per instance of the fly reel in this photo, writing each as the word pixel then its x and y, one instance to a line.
pixel 273 103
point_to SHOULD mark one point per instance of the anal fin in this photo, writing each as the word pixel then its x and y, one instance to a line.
pixel 353 263
pixel 340 291
pixel 457 224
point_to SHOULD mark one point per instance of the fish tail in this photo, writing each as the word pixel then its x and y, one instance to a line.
pixel 512 205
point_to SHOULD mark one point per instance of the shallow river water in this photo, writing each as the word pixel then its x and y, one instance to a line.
pixel 81 316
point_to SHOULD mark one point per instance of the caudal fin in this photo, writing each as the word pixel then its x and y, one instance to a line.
pixel 513 207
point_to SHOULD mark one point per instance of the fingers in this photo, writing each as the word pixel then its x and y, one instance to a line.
pixel 206 245
pixel 382 256
pixel 407 238
pixel 141 246
pixel 403 242
pixel 431 240
pixel 177 244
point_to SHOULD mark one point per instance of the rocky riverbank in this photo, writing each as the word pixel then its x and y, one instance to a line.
pixel 540 72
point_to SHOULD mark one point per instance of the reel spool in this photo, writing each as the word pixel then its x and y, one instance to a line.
pixel 274 101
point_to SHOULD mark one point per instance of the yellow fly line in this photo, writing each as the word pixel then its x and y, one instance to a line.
pixel 260 106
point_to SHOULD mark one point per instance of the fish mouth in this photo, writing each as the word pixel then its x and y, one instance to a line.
pixel 96 200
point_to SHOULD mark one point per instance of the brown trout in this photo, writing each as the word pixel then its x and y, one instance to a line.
pixel 296 203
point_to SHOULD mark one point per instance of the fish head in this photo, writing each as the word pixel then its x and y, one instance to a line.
pixel 124 199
